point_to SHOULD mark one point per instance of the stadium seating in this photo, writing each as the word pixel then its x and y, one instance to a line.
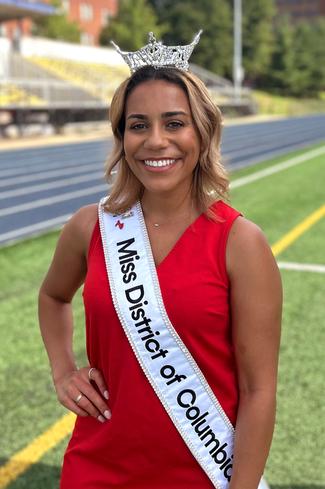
pixel 12 95
pixel 97 79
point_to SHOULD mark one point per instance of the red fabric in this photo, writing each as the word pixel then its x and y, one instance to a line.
pixel 139 448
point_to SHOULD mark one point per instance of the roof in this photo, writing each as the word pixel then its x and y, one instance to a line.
pixel 18 9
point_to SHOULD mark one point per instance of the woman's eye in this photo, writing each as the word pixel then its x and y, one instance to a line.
pixel 138 126
pixel 175 124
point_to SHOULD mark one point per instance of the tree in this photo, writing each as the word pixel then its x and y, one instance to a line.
pixel 184 19
pixel 129 29
pixel 282 71
pixel 317 75
pixel 309 58
pixel 57 26
pixel 296 66
pixel 258 39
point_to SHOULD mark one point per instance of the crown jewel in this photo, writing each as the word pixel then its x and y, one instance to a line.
pixel 158 55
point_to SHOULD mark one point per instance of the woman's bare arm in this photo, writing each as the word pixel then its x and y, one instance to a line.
pixel 256 305
pixel 66 274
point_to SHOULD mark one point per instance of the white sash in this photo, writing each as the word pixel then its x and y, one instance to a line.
pixel 165 360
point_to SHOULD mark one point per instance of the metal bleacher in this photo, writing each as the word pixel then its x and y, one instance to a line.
pixel 45 87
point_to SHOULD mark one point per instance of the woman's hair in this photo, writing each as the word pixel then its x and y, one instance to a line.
pixel 210 181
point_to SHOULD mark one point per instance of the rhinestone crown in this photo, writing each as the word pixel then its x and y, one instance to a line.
pixel 158 55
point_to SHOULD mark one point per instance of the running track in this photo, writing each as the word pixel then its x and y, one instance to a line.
pixel 41 187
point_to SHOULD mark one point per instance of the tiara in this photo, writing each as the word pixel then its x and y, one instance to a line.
pixel 158 55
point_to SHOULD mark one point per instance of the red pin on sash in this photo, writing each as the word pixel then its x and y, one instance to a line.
pixel 119 224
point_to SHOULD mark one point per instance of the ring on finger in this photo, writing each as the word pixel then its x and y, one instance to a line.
pixel 78 398
pixel 89 372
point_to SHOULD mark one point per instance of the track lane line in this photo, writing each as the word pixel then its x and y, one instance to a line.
pixel 271 170
pixel 53 200
pixel 301 267
pixel 8 194
pixel 31 229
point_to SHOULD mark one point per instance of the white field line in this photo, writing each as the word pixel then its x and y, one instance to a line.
pixel 239 182
pixel 50 185
pixel 49 174
pixel 56 171
pixel 34 228
pixel 53 200
pixel 268 141
pixel 301 267
pixel 21 170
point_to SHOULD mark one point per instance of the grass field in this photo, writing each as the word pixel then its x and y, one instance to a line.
pixel 277 203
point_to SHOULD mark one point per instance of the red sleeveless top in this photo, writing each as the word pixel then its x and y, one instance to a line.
pixel 139 447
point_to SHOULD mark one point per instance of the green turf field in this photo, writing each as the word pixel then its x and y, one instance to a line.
pixel 277 203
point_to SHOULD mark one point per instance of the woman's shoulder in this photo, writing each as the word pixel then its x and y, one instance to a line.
pixel 80 227
pixel 223 210
pixel 248 248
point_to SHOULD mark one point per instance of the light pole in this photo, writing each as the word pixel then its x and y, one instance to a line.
pixel 237 59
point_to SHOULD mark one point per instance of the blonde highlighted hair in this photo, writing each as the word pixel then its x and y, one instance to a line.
pixel 210 180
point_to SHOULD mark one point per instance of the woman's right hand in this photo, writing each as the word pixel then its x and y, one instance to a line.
pixel 76 392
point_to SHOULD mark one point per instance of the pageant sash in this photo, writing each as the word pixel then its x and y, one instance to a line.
pixel 165 360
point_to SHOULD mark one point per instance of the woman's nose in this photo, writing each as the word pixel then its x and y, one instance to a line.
pixel 156 138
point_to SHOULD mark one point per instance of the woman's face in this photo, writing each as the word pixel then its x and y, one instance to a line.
pixel 161 143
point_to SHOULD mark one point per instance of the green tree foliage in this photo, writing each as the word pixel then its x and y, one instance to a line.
pixel 281 73
pixel 296 66
pixel 318 54
pixel 185 18
pixel 258 42
pixel 309 58
pixel 57 26
pixel 129 29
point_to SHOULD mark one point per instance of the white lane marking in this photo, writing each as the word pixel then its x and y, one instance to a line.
pixel 239 182
pixel 50 185
pixel 49 174
pixel 33 228
pixel 53 200
pixel 266 140
pixel 56 167
pixel 45 173
pixel 301 267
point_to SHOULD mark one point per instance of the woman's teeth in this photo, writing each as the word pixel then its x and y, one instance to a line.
pixel 159 162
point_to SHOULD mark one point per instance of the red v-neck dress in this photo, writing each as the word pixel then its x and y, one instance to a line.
pixel 139 448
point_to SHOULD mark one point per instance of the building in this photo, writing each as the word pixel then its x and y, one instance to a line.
pixel 16 16
pixel 90 15
pixel 301 9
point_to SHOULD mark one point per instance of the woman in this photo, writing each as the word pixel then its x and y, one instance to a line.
pixel 219 283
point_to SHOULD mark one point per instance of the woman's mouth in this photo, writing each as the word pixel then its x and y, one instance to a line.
pixel 165 162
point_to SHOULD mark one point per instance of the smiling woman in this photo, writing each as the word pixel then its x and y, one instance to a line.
pixel 182 304
pixel 161 147
pixel 184 109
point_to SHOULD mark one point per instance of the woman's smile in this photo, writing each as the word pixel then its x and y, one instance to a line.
pixel 160 163
pixel 161 143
